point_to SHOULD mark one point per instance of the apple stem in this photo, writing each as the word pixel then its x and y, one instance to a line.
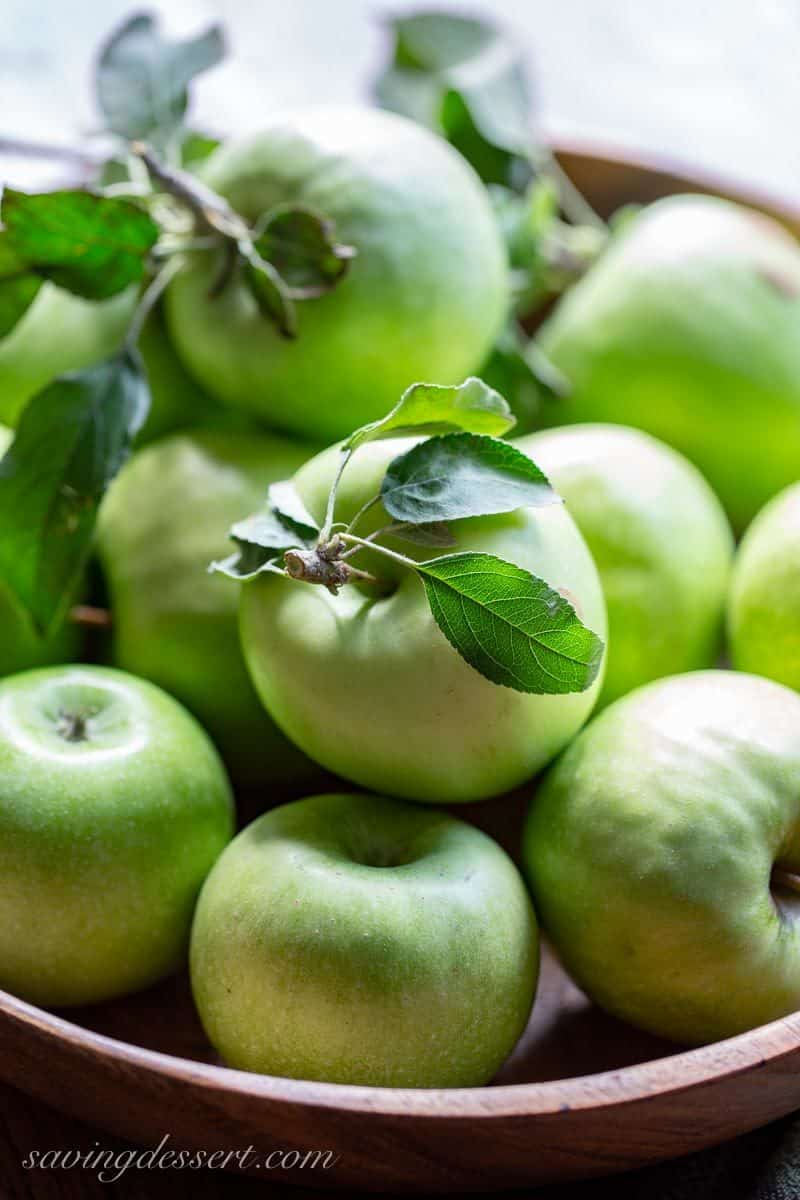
pixel 324 565
pixel 400 558
pixel 785 879
pixel 325 532
pixel 363 511
pixel 150 297
pixel 88 614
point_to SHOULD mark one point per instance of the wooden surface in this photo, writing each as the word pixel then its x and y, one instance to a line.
pixel 595 1096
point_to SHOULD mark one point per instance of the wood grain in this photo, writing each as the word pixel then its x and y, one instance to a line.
pixel 583 1095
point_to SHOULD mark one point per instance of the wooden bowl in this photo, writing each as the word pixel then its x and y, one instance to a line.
pixel 583 1094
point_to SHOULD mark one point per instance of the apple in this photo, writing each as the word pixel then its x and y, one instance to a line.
pixel 424 298
pixel 689 327
pixel 162 523
pixel 20 646
pixel 59 333
pixel 659 850
pixel 357 939
pixel 369 686
pixel 113 807
pixel 661 542
pixel 176 400
pixel 764 605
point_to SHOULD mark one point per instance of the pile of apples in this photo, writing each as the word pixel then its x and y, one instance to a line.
pixel 358 933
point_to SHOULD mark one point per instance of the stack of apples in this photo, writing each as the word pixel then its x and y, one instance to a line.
pixel 357 931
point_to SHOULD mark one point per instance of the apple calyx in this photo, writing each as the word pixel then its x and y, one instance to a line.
pixel 324 565
pixel 73 726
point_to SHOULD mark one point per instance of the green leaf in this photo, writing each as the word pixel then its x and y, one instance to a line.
pixel 301 245
pixel 270 293
pixel 71 440
pixel 246 563
pixel 462 475
pixel 196 147
pixel 285 502
pixel 510 626
pixel 432 408
pixel 94 246
pixel 262 538
pixel 18 286
pixel 467 79
pixel 142 79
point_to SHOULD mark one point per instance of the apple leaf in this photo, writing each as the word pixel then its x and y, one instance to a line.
pixel 433 408
pixel 91 245
pixel 462 475
pixel 18 286
pixel 467 79
pixel 509 625
pixel 270 292
pixel 285 502
pixel 262 538
pixel 71 440
pixel 142 80
pixel 301 245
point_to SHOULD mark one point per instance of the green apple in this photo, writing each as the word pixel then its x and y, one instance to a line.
pixel 424 298
pixel 370 687
pixel 164 520
pixel 20 647
pixel 764 604
pixel 689 327
pixel 657 849
pixel 361 940
pixel 113 807
pixel 176 400
pixel 59 333
pixel 661 542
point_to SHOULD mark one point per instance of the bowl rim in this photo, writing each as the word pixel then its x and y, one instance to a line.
pixel 659 1077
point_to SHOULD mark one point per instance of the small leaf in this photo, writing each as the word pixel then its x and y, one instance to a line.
pixel 18 286
pixel 266 529
pixel 246 563
pixel 509 625
pixel 462 475
pixel 467 79
pixel 71 440
pixel 270 293
pixel 430 407
pixel 301 245
pixel 92 245
pixel 142 79
pixel 285 502
pixel 261 540
pixel 196 147
pixel 434 533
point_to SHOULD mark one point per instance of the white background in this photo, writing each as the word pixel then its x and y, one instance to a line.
pixel 711 82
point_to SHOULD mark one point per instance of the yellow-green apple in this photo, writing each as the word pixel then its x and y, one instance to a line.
pixel 661 850
pixel 764 604
pixel 113 807
pixel 368 685
pixel 661 542
pixel 689 327
pixel 163 521
pixel 362 940
pixel 176 400
pixel 59 333
pixel 424 297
